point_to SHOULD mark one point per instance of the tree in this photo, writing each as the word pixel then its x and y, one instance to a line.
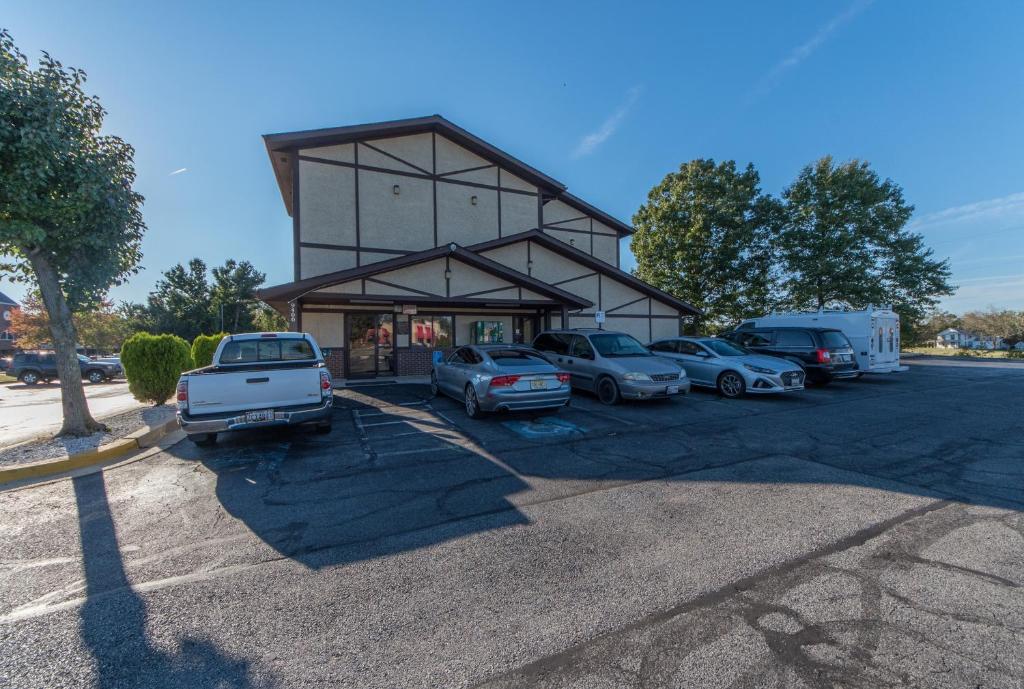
pixel 705 236
pixel 844 243
pixel 925 331
pixel 181 303
pixel 70 222
pixel 234 288
pixel 266 320
pixel 1006 324
pixel 99 328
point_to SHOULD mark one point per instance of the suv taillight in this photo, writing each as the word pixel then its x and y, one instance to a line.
pixel 182 393
pixel 503 381
pixel 824 356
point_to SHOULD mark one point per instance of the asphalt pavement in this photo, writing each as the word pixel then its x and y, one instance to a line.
pixel 33 411
pixel 865 534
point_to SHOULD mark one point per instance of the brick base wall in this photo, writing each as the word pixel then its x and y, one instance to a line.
pixel 413 361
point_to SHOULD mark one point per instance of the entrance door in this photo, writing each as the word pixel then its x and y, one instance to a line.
pixel 371 344
pixel 524 329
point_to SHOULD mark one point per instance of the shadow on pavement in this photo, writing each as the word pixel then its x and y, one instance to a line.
pixel 113 618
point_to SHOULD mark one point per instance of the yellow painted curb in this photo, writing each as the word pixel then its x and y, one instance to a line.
pixel 142 438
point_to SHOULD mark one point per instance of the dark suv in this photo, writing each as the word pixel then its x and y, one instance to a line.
pixel 32 367
pixel 825 354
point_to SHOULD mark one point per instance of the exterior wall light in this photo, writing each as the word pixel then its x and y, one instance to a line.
pixel 447 274
pixel 396 190
pixel 472 199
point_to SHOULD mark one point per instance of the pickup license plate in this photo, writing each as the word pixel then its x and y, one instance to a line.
pixel 538 384
pixel 260 416
pixel 672 390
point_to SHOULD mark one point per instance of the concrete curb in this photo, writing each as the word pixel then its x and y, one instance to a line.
pixel 145 437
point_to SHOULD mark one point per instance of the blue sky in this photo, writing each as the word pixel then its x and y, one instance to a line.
pixel 605 97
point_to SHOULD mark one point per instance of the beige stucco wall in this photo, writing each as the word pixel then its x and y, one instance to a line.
pixel 518 213
pixel 426 277
pixel 637 327
pixel 510 181
pixel 328 329
pixel 415 148
pixel 488 175
pixel 466 279
pixel 462 222
pixel 605 249
pixel 342 152
pixel 353 287
pixel 664 327
pixel 512 256
pixel 552 267
pixel 395 221
pixel 374 158
pixel 616 294
pixel 577 240
pixel 327 202
pixel 660 309
pixel 556 211
pixel 451 156
pixel 322 261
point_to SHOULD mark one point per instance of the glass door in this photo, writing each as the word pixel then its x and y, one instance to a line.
pixel 524 329
pixel 371 347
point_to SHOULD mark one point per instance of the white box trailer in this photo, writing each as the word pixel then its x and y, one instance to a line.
pixel 874 333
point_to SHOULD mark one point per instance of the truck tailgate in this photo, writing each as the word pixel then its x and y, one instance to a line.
pixel 222 390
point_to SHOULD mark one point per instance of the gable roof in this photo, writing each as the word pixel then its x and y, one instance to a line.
pixel 281 146
pixel 4 299
pixel 294 290
pixel 595 264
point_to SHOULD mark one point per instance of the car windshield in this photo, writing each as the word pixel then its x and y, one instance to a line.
pixel 516 357
pixel 617 345
pixel 723 348
pixel 834 339
pixel 82 357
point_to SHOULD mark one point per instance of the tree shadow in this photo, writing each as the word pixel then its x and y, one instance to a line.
pixel 112 621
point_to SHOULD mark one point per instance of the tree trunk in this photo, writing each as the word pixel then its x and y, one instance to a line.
pixel 77 419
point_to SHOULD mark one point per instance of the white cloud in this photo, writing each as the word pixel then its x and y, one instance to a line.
pixel 1009 206
pixel 589 143
pixel 803 51
pixel 178 171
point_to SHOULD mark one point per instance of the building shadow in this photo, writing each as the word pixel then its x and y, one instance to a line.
pixel 112 621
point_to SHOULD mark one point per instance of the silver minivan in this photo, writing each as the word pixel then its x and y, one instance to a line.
pixel 612 365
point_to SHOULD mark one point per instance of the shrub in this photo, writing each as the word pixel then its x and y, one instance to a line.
pixel 203 348
pixel 152 364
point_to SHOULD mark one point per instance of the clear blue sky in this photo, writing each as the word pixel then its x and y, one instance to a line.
pixel 605 97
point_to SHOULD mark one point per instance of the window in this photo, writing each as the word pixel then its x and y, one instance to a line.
pixel 552 342
pixel 754 340
pixel 723 348
pixel 793 338
pixel 834 339
pixel 249 351
pixel 687 347
pixel 581 348
pixel 516 357
pixel 879 340
pixel 664 346
pixel 617 345
pixel 434 332
pixel 892 337
pixel 464 355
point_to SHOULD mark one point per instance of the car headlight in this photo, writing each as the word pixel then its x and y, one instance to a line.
pixel 758 369
pixel 637 377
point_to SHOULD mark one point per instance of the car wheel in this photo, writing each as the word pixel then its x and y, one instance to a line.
pixel 731 385
pixel 96 377
pixel 473 410
pixel 204 439
pixel 434 389
pixel 608 391
pixel 29 377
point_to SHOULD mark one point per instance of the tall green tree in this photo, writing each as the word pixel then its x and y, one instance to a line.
pixel 70 222
pixel 845 243
pixel 705 236
pixel 233 293
pixel 181 304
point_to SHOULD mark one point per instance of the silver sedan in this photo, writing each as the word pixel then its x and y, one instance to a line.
pixel 490 378
pixel 733 370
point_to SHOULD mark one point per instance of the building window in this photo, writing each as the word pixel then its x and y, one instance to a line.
pixel 432 332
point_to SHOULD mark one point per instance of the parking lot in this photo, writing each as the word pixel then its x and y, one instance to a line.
pixel 866 533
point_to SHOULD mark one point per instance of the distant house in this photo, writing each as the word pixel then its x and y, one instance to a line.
pixel 7 308
pixel 955 338
pixel 1019 346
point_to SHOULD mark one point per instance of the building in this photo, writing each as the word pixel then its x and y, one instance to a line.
pixel 7 308
pixel 414 235
pixel 954 338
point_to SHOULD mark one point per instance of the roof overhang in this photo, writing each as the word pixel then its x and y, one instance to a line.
pixel 595 264
pixel 297 290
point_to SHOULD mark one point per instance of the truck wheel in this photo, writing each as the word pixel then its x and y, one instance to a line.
pixel 96 377
pixel 29 377
pixel 204 439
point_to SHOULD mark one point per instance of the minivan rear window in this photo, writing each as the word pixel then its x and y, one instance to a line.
pixel 834 339
pixel 252 351
pixel 793 338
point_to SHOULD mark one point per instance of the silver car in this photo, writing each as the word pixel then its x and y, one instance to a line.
pixel 611 364
pixel 488 378
pixel 733 370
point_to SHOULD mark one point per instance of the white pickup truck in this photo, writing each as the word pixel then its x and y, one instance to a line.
pixel 256 380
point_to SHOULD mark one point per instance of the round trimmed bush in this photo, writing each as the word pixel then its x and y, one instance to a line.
pixel 203 348
pixel 153 363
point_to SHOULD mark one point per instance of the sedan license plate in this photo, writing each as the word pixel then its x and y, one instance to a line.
pixel 672 390
pixel 538 384
pixel 260 416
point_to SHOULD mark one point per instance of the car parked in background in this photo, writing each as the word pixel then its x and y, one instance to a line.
pixel 32 367
pixel 490 378
pixel 5 364
pixel 612 365
pixel 731 369
pixel 257 380
pixel 825 354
